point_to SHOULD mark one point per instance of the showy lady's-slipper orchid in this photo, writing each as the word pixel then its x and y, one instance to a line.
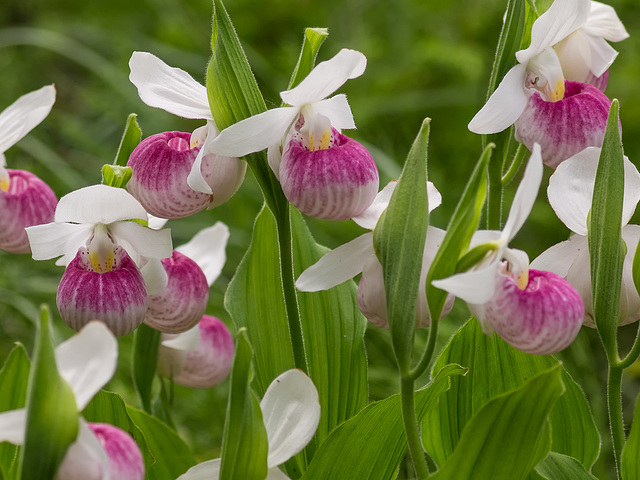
pixel 162 166
pixel 358 256
pixel 199 358
pixel 585 55
pixel 562 116
pixel 25 200
pixel 322 172
pixel 291 413
pixel 191 270
pixel 86 361
pixel 535 311
pixel 113 264
pixel 570 194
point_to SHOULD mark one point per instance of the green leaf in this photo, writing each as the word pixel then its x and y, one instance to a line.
pixel 108 407
pixel 333 327
pixel 172 455
pixel 630 464
pixel 606 247
pixel 508 436
pixel 313 40
pixel 399 239
pixel 371 444
pixel 52 417
pixel 145 360
pixel 573 430
pixel 562 467
pixel 462 225
pixel 14 378
pixel 130 140
pixel 244 442
pixel 116 176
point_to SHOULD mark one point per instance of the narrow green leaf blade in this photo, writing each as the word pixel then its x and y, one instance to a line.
pixel 146 342
pixel 562 467
pixel 313 40
pixel 14 378
pixel 52 418
pixel 244 442
pixel 399 240
pixel 606 247
pixel 505 439
pixel 371 444
pixel 630 464
pixel 130 140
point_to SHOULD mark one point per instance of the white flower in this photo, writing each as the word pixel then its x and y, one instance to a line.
pixel 291 413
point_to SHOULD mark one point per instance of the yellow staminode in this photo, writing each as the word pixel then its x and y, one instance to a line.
pixel 325 139
pixel 101 250
pixel 557 93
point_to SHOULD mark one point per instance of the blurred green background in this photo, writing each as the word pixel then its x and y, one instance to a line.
pixel 425 59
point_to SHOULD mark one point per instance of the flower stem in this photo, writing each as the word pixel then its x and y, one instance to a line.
pixel 633 354
pixel 515 165
pixel 423 364
pixel 407 396
pixel 288 285
pixel 614 405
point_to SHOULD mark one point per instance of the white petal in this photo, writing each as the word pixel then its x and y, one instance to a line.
pixel 276 474
pixel 337 110
pixel 435 197
pixel 291 413
pixel 24 114
pixel 326 78
pixel 602 55
pixel 98 204
pixel 13 425
pixel 156 223
pixel 55 239
pixel 185 341
pixel 504 106
pixel 338 265
pixel 168 88
pixel 274 157
pixel 254 133
pixel 207 249
pixel 87 361
pixel 525 195
pixel 85 457
pixel 195 179
pixel 484 236
pixel 371 215
pixel 155 276
pixel 138 240
pixel 603 22
pixel 560 257
pixel 474 286
pixel 209 470
pixel 561 19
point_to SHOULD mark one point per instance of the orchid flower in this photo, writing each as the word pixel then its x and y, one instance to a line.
pixel 570 194
pixel 25 200
pixel 113 264
pixel 359 256
pixel 86 361
pixel 536 95
pixel 322 172
pixel 291 413
pixel 175 91
pixel 191 270
pixel 535 311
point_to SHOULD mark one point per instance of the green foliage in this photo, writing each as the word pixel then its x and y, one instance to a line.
pixel 561 467
pixel 145 361
pixel 313 40
pixel 130 140
pixel 630 465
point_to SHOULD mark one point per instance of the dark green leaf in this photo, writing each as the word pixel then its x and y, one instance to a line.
pixel 606 247
pixel 52 418
pixel 630 464
pixel 562 467
pixel 244 442
pixel 508 436
pixel 371 444
pixel 399 239
pixel 145 361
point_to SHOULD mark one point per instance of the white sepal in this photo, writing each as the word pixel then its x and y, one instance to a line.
pixel 209 470
pixel 474 286
pixel 53 240
pixel 603 22
pixel 168 88
pixel 140 241
pixel 207 249
pixel 98 204
pixel 337 110
pixel 13 426
pixel 155 276
pixel 185 341
pixel 291 413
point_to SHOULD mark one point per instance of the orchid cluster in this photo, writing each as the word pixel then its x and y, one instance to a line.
pixel 299 319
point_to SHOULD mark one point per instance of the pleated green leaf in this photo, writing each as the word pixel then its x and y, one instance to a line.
pixel 508 436
pixel 630 464
pixel 573 429
pixel 244 441
pixel 371 444
pixel 52 418
pixel 561 467
pixel 313 40
pixel 399 239
pixel 14 378
pixel 130 140
pixel 333 327
pixel 606 247
pixel 145 361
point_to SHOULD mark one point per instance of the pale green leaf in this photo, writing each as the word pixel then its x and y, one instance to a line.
pixel 130 140
pixel 562 467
